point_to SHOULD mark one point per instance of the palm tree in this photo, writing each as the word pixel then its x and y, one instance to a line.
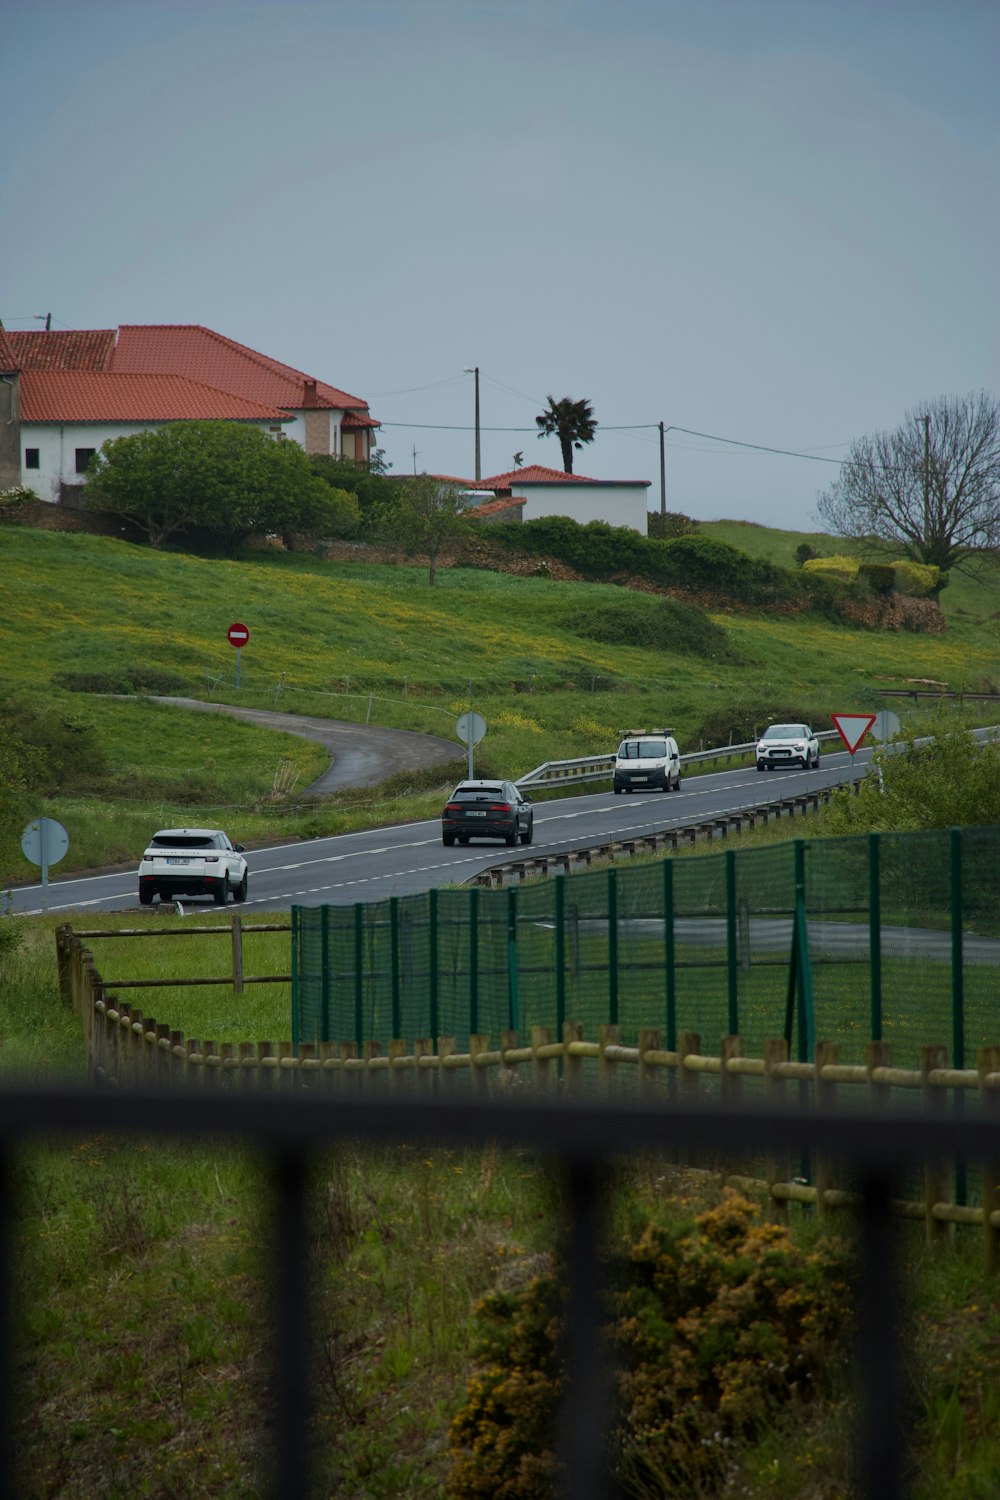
pixel 572 422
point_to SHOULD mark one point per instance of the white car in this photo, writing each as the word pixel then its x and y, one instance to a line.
pixel 192 862
pixel 787 745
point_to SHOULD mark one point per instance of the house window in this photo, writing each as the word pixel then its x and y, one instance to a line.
pixel 31 458
pixel 83 457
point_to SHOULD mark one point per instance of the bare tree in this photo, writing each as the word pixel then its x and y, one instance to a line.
pixel 931 487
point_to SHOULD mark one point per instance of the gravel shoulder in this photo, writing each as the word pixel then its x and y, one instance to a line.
pixel 360 754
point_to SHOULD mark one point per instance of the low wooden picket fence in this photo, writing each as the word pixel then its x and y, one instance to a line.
pixel 126 1048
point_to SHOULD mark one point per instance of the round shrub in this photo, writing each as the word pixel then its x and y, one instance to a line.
pixel 662 625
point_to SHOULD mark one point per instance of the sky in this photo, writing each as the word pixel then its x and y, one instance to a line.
pixel 766 224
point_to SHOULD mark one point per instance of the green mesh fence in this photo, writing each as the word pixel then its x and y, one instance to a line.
pixel 898 940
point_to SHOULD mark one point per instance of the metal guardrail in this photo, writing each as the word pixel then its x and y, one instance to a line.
pixel 581 1137
pixel 601 767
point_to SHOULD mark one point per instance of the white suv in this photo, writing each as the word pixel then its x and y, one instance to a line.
pixel 787 745
pixel 192 862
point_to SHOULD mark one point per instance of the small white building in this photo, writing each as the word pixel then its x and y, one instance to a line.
pixel 551 492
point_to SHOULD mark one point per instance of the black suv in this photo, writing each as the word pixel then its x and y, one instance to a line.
pixel 487 810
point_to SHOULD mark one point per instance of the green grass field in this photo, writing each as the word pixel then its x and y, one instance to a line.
pixel 373 643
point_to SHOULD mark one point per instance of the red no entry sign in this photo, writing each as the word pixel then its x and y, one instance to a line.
pixel 237 635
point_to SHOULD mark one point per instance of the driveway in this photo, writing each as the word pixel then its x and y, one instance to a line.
pixel 360 754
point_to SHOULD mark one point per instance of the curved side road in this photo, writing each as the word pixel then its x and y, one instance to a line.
pixel 360 754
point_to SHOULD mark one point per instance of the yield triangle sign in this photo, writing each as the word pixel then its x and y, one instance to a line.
pixel 852 728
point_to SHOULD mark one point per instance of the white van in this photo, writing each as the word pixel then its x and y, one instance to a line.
pixel 647 761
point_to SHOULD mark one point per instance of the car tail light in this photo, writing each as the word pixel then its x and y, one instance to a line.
pixel 501 807
pixel 210 859
pixel 453 807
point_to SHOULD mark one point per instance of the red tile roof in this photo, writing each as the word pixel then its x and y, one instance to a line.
pixel 198 353
pixel 529 474
pixel 510 502
pixel 8 360
pixel 92 396
pixel 64 348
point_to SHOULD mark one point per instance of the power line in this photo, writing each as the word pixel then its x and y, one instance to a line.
pixel 636 427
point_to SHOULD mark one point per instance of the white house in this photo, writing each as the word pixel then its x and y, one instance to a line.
pixel 70 391
pixel 551 492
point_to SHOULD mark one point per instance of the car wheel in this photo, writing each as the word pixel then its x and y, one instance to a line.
pixel 618 791
pixel 526 836
pixel 145 897
pixel 219 895
pixel 463 838
pixel 447 839
pixel 510 839
pixel 240 891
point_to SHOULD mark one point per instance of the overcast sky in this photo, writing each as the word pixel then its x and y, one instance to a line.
pixel 771 221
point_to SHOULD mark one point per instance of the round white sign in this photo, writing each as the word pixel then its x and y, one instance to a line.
pixel 44 842
pixel 470 728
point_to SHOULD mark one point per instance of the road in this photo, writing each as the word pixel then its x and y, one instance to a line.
pixel 409 858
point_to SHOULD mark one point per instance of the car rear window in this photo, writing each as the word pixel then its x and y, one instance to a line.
pixel 489 793
pixel 182 841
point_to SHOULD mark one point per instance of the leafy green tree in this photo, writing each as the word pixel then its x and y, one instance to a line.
pixel 424 518
pixel 572 422
pixel 225 478
pixel 13 778
pixel 931 486
pixel 369 483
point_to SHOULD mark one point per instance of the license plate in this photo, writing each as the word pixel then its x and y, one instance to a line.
pixel 781 754
pixel 172 861
pixel 640 778
pixel 475 815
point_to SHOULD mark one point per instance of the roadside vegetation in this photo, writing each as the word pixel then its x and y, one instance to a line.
pixel 139 1280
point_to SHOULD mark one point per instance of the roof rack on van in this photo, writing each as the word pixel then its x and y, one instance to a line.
pixel 638 734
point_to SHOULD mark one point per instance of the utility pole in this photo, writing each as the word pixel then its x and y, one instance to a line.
pixel 48 320
pixel 663 476
pixel 475 372
pixel 927 473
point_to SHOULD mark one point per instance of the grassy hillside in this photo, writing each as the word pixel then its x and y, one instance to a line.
pixel 373 643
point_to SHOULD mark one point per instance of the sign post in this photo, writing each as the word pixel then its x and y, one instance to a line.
pixel 852 729
pixel 237 635
pixel 470 727
pixel 44 842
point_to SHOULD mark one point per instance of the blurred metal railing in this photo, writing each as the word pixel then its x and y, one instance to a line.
pixel 581 1137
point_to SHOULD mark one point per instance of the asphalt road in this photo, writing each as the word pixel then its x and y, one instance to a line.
pixel 409 858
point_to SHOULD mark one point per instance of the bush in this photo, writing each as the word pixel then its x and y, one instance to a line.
pixel 804 553
pixel 665 625
pixel 129 680
pixel 946 780
pixel 880 577
pixel 717 1325
pixel 838 568
pixel 665 525
pixel 918 579
pixel 740 723
pixel 61 750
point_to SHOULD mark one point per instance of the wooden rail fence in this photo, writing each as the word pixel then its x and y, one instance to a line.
pixel 127 1048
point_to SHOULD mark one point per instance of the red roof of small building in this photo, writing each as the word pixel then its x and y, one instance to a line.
pixel 529 474
pixel 96 396
pixel 507 502
pixel 64 348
